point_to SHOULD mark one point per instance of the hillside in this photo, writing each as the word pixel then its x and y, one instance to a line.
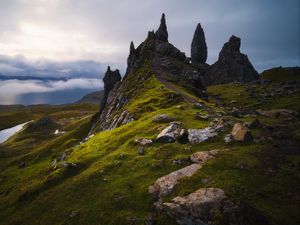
pixel 172 144
pixel 92 98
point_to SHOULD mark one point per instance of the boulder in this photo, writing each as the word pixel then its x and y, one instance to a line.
pixel 210 206
pixel 240 132
pixel 201 135
pixel 232 65
pixel 163 118
pixel 172 133
pixel 198 47
pixel 165 185
pixel 198 208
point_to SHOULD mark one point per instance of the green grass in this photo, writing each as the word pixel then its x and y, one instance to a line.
pixel 110 183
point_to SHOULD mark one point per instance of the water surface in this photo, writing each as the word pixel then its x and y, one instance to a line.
pixel 7 133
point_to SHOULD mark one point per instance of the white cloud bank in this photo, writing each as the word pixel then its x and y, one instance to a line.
pixel 10 90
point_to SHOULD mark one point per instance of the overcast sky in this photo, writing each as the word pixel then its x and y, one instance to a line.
pixel 98 30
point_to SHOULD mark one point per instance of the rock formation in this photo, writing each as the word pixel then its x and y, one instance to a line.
pixel 111 78
pixel 198 47
pixel 157 57
pixel 232 65
pixel 162 33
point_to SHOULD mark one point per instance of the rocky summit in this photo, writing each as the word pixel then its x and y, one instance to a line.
pixel 175 141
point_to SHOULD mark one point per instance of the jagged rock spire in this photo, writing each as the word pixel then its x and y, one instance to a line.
pixel 198 46
pixel 110 79
pixel 131 47
pixel 162 33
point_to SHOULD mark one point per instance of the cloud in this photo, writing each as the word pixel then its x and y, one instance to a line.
pixel 11 90
pixel 99 30
pixel 21 66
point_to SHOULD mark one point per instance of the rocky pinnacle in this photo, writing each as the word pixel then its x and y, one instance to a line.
pixel 111 78
pixel 162 33
pixel 198 46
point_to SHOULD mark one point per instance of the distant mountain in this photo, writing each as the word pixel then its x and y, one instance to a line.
pixel 94 97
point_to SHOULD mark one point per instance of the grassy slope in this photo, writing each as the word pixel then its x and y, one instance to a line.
pixel 110 183
pixel 281 74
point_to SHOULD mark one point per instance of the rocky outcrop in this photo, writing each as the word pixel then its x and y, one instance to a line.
pixel 172 133
pixel 163 118
pixel 232 65
pixel 198 208
pixel 153 57
pixel 111 78
pixel 162 33
pixel 198 47
pixel 210 206
pixel 200 135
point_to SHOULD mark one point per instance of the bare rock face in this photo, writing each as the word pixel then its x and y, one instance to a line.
pixel 241 133
pixel 199 208
pixel 162 33
pixel 232 65
pixel 111 78
pixel 198 47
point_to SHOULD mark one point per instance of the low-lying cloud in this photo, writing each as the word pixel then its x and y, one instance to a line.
pixel 11 91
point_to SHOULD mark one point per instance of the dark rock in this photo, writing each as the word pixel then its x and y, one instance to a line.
pixel 162 33
pixel 232 65
pixel 254 124
pixel 141 150
pixel 22 165
pixel 111 78
pixel 172 133
pixel 198 47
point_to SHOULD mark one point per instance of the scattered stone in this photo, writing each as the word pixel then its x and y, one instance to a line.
pixel 172 133
pixel 240 132
pixel 179 107
pixel 22 165
pixel 228 138
pixel 199 105
pixel 74 213
pixel 141 151
pixel 198 47
pixel 57 132
pixel 199 116
pixel 203 157
pixel 143 141
pixel 163 118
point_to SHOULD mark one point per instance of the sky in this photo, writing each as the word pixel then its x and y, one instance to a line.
pixel 79 38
